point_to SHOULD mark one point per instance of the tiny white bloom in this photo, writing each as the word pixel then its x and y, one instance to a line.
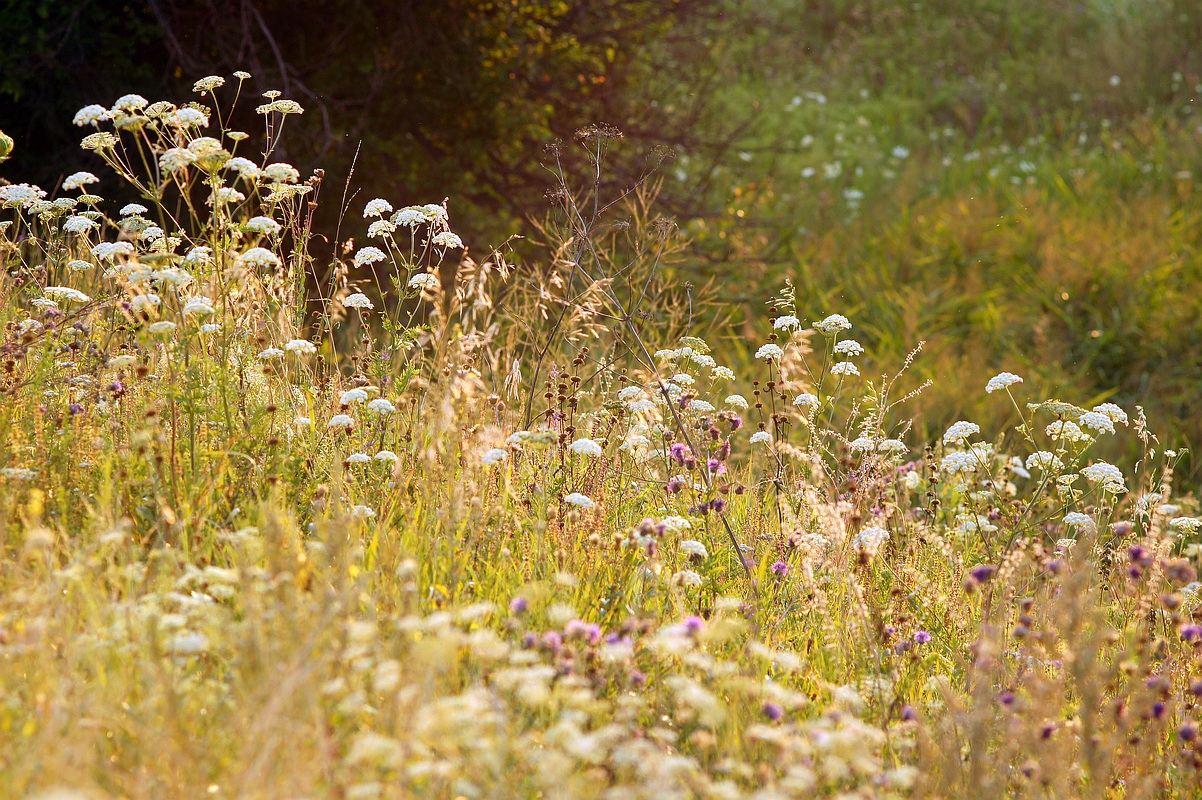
pixel 341 422
pixel 448 240
pixel 737 401
pixel 1112 411
pixel 1097 422
pixel 302 422
pixel 162 326
pixel 199 306
pixel 358 458
pixel 270 353
pixel 845 368
pixel 1075 519
pixel 66 293
pixel 260 257
pixel 132 209
pixel 261 224
pixel 849 347
pixel 363 512
pixel 90 115
pixel 693 549
pixel 686 579
pixel 77 180
pixel 722 373
pixel 369 255
pixel 761 436
pixel 79 225
pixel 806 400
pixel 701 406
pixel 78 265
pixel 863 444
pixel 786 322
pixel 377 208
pixel 386 456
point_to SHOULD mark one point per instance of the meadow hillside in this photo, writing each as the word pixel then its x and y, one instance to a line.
pixel 855 465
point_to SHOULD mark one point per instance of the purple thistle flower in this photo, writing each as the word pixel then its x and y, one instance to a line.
pixel 922 637
pixel 773 712
pixel 780 569
pixel 518 605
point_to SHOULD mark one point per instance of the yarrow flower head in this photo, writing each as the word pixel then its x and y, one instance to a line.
pixel 805 400
pixel 133 209
pixel 265 225
pixel 66 293
pixel 833 324
pixel 959 432
pixel 1001 381
pixel 960 462
pixel 770 352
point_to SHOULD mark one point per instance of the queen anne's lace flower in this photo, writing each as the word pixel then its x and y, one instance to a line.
pixel 357 300
pixel 77 180
pixel 381 406
pixel 833 324
pixel 341 422
pixel 1103 473
pixel 351 396
pixel 423 280
pixel 79 225
pixel 845 368
pixel 686 579
pixel 494 456
pixel 130 103
pixel 1097 422
pixel 585 447
pixel 260 257
pixel 579 500
pixel 761 436
pixel 199 306
pixel 208 84
pixel 701 406
pixel 849 347
pixel 769 352
pixel 301 347
pixel 786 322
pixel 1042 459
pixel 960 462
pixel 369 255
pixel 959 432
pixel 66 293
pixel 1113 412
pixel 132 209
pixel 1001 381
pixel 270 353
pixel 90 115
pixel 265 225
pixel 1076 519
pixel 448 240
pixel 693 549
pixel 377 208
pixel 736 401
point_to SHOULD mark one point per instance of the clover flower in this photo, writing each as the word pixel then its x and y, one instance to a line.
pixel 585 447
pixel 357 300
pixel 1001 381
pixel 769 352
pixel 833 324
pixel 959 432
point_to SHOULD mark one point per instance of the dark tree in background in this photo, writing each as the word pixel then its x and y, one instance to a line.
pixel 453 98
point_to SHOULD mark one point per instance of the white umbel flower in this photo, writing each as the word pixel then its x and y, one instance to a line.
pixel 341 422
pixel 833 324
pixel 493 457
pixel 769 352
pixel 369 255
pixel 381 406
pixel 377 208
pixel 302 347
pixel 423 280
pixel 352 396
pixel 959 432
pixel 586 447
pixel 1001 381
pixel 357 300
pixel 786 322
pixel 579 500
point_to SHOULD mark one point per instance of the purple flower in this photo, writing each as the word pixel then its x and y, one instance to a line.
pixel 75 408
pixel 922 637
pixel 982 572
pixel 677 452
pixel 518 605
pixel 694 624
pixel 780 569
pixel 908 713
pixel 1006 698
pixel 773 712
pixel 1188 732
pixel 736 422
pixel 1191 633
pixel 718 504
pixel 552 641
pixel 715 466
pixel 674 486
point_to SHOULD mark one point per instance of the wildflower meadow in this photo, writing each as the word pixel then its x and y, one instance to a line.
pixel 382 512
